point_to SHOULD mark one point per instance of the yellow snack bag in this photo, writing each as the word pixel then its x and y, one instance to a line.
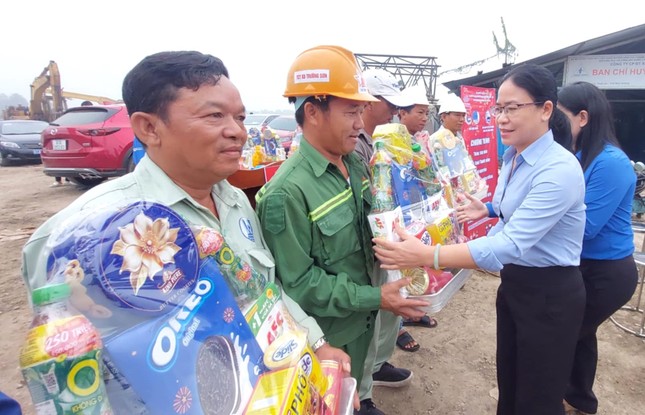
pixel 440 230
pixel 290 350
pixel 286 392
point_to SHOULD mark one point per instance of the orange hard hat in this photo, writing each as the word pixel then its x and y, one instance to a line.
pixel 327 70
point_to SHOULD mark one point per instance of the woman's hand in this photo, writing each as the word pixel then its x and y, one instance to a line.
pixel 410 252
pixel 470 208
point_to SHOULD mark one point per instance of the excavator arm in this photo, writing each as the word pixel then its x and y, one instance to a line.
pixel 86 97
pixel 48 97
pixel 42 106
pixel 38 106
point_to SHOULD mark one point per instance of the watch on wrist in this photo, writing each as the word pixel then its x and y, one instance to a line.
pixel 319 343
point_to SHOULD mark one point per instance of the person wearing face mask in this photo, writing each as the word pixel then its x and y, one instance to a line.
pixel 607 264
pixel 535 245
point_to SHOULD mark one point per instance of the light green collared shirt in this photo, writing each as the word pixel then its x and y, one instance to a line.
pixel 315 223
pixel 237 223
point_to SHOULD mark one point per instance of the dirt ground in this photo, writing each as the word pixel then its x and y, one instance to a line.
pixel 454 371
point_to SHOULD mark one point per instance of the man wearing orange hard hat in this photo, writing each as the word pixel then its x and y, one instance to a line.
pixel 314 210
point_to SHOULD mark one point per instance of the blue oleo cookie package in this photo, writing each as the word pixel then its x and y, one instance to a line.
pixel 175 340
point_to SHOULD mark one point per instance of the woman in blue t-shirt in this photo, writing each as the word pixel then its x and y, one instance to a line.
pixel 606 261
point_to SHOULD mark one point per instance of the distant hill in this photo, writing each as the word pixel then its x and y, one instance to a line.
pixel 12 100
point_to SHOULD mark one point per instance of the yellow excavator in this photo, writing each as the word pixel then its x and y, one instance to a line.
pixel 48 99
pixel 42 106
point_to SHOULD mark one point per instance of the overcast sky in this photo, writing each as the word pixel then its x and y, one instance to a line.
pixel 96 43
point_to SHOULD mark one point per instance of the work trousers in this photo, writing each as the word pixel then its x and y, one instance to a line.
pixel 539 314
pixel 609 284
pixel 386 329
pixel 381 349
pixel 357 350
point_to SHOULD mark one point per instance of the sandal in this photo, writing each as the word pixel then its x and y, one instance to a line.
pixel 404 340
pixel 425 321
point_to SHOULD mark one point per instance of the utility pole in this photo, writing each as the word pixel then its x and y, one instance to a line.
pixel 509 50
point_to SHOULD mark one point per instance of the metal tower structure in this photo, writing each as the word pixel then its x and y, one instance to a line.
pixel 410 70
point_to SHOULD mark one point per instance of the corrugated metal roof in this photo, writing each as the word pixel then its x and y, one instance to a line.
pixel 631 40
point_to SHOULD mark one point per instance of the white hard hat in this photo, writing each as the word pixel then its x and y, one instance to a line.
pixel 415 95
pixel 382 83
pixel 451 103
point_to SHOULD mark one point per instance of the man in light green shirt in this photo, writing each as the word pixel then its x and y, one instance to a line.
pixel 190 118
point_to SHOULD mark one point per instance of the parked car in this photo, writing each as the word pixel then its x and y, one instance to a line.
pixel 89 144
pixel 286 127
pixel 258 121
pixel 20 140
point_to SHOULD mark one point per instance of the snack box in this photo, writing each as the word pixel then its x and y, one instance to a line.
pixel 286 392
pixel 334 373
pixel 340 394
pixel 291 349
pixel 439 300
pixel 200 358
pixel 269 318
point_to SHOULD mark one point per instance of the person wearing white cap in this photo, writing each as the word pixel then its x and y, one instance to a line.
pixel 416 114
pixel 384 86
pixel 452 112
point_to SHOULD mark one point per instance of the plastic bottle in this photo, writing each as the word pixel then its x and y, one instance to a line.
pixel 295 144
pixel 258 156
pixel 423 166
pixel 381 167
pixel 61 357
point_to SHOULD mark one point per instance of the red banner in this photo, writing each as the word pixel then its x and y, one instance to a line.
pixel 270 170
pixel 480 135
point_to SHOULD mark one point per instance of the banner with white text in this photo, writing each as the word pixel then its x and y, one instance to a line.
pixel 480 135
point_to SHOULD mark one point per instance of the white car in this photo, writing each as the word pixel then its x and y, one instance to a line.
pixel 258 121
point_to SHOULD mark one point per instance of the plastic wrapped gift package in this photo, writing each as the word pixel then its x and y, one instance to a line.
pixel 175 340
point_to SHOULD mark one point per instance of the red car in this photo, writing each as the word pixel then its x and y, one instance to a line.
pixel 89 144
pixel 286 127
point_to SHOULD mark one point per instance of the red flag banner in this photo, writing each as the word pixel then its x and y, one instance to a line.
pixel 480 135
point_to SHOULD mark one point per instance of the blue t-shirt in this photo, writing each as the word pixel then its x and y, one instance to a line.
pixel 9 406
pixel 610 181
